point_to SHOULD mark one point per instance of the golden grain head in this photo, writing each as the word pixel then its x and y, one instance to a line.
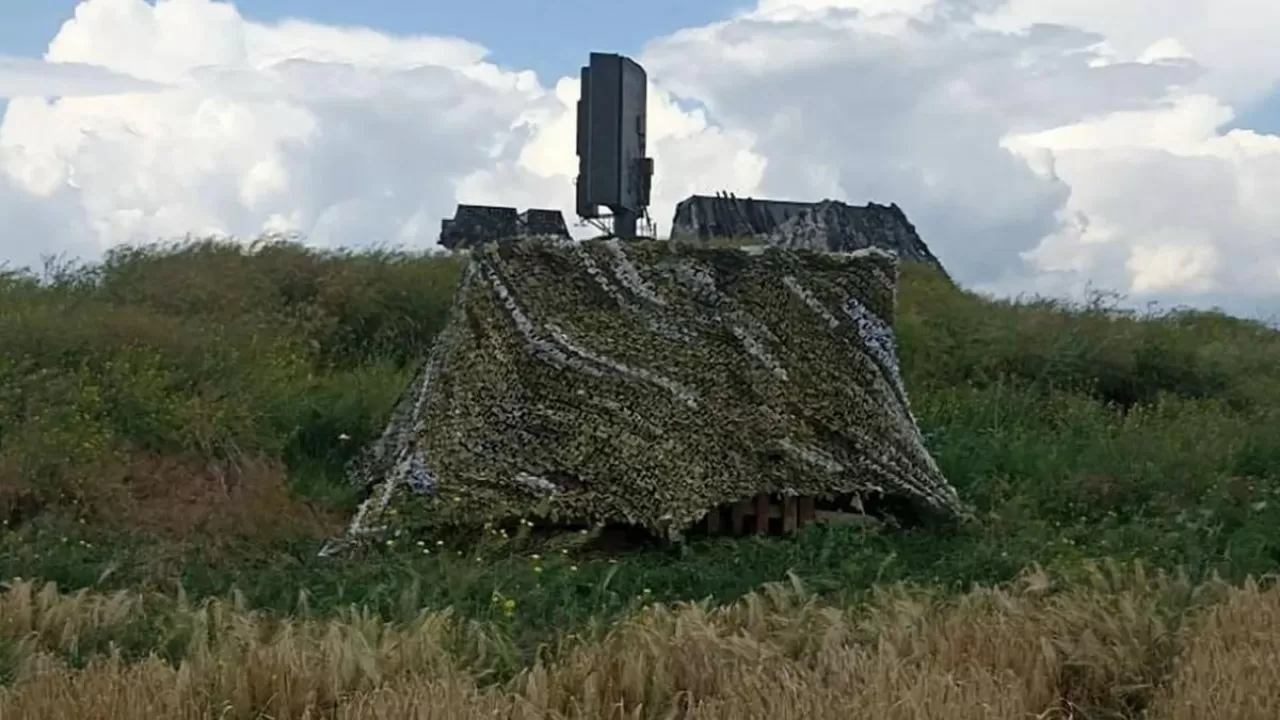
pixel 992 654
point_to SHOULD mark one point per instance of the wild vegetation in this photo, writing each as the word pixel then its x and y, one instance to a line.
pixel 174 422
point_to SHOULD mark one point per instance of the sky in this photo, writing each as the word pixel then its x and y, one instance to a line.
pixel 550 38
pixel 1039 146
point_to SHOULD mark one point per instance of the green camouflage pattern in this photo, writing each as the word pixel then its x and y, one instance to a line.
pixel 647 383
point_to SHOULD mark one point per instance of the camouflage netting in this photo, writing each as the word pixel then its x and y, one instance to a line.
pixel 838 227
pixel 828 225
pixel 646 383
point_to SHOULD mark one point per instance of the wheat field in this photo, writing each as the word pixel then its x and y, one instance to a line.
pixel 1121 643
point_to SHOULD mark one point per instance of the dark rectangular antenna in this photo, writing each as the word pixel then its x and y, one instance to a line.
pixel 613 171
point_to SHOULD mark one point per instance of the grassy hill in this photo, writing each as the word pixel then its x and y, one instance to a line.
pixel 174 422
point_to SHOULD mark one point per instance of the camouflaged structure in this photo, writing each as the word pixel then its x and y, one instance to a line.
pixel 647 383
pixel 828 225
pixel 839 227
pixel 474 225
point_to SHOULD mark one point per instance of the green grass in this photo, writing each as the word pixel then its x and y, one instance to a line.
pixel 174 417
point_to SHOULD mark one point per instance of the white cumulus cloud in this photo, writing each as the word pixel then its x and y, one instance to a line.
pixel 909 109
pixel 1165 203
pixel 1038 145
pixel 348 135
pixel 21 77
pixel 1235 39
